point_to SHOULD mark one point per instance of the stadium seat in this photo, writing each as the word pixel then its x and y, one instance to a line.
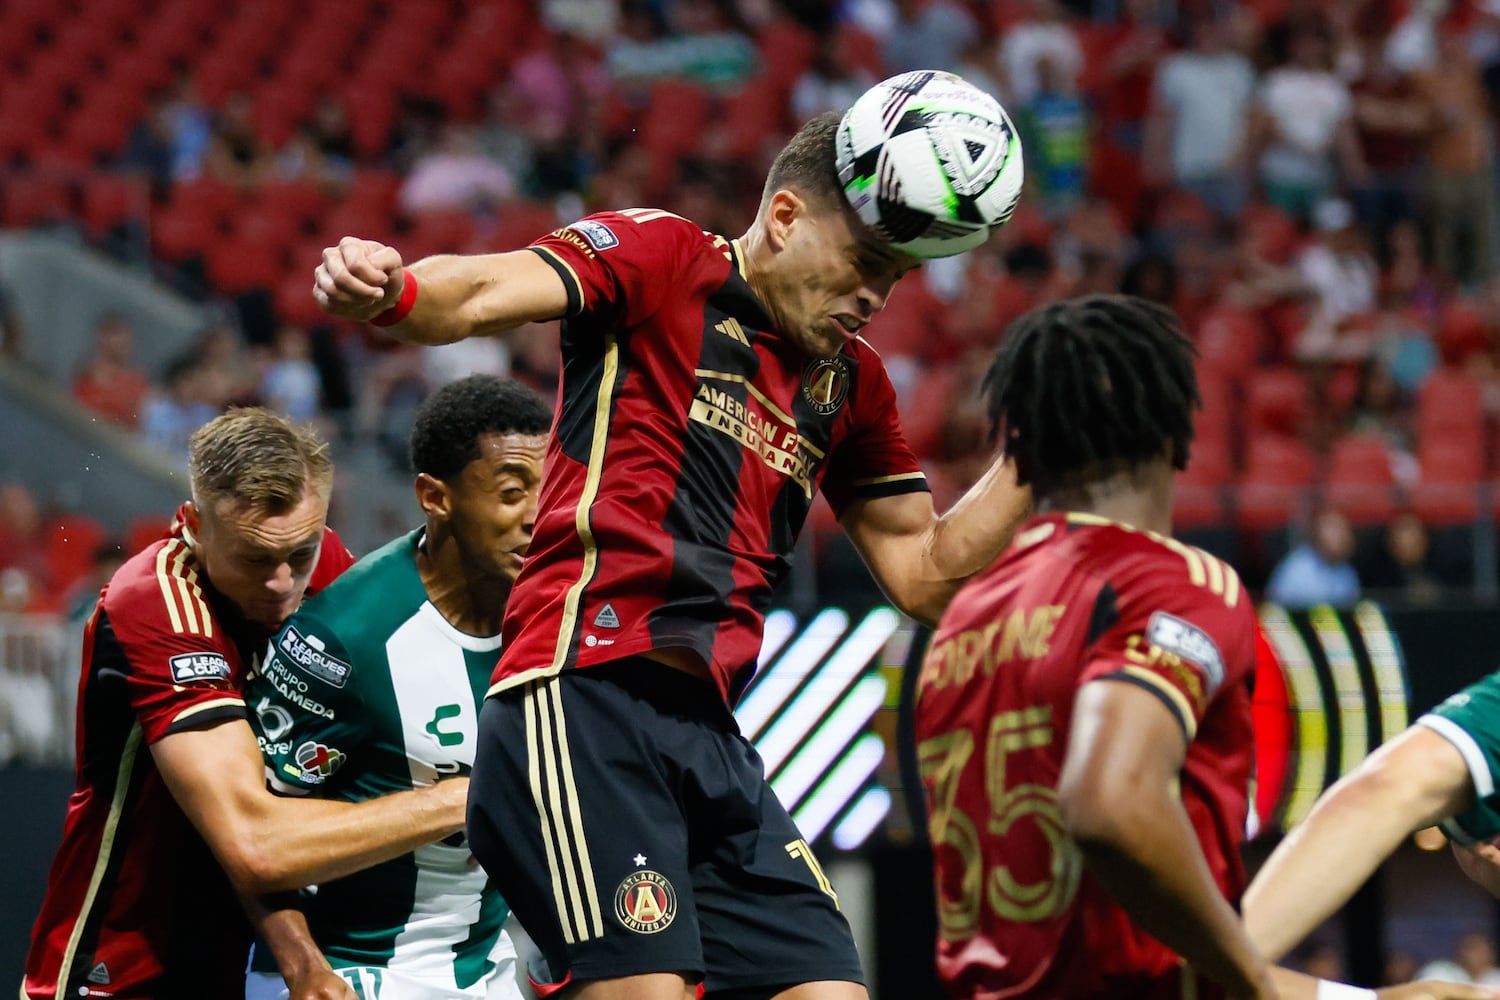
pixel 1230 341
pixel 34 197
pixel 304 201
pixel 1200 488
pixel 1450 405
pixel 436 232
pixel 237 266
pixel 1276 400
pixel 110 199
pixel 521 222
pixel 294 300
pixel 787 49
pixel 208 199
pixel 1360 484
pixel 71 542
pixel 751 116
pixel 1274 485
pixel 1462 333
pixel 1447 492
pixel 143 530
pixel 1271 231
pixel 914 323
pixel 178 236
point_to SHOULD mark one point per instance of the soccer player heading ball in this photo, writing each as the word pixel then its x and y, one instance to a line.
pixel 710 387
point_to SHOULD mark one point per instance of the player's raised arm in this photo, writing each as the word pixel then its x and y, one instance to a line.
pixel 1414 781
pixel 438 300
pixel 920 559
pixel 269 844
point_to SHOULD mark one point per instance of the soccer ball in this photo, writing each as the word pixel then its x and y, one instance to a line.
pixel 930 162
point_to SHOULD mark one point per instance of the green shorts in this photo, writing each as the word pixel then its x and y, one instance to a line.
pixel 1470 720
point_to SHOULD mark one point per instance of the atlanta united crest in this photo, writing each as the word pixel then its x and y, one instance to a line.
pixel 825 384
pixel 646 902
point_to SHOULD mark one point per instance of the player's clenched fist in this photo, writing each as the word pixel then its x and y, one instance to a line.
pixel 323 984
pixel 358 279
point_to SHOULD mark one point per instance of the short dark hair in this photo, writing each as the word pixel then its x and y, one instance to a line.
pixel 1087 388
pixel 450 422
pixel 807 163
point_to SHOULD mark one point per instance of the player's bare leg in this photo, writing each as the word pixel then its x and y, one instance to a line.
pixel 652 986
pixel 829 990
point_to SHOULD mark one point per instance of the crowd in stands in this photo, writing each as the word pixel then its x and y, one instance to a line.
pixel 1309 183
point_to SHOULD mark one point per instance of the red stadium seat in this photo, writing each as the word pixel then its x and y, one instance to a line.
pixel 787 49
pixel 757 112
pixel 1450 405
pixel 1360 483
pixel 111 198
pixel 142 531
pixel 914 323
pixel 1278 474
pixel 1198 495
pixel 1230 341
pixel 30 198
pixel 1462 332
pixel 1447 493
pixel 237 266
pixel 178 236
pixel 437 232
pixel 71 542
pixel 294 300
pixel 522 222
pixel 1276 400
pixel 210 200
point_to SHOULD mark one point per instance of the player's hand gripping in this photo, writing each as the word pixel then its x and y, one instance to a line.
pixel 358 279
pixel 320 984
pixel 1430 990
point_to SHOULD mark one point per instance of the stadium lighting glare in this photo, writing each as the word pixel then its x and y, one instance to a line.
pixel 828 740
pixel 780 625
pixel 788 672
pixel 862 819
pixel 829 681
pixel 840 786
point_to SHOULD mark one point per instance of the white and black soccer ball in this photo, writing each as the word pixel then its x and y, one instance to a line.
pixel 930 162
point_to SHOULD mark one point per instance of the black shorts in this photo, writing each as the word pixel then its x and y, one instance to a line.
pixel 631 829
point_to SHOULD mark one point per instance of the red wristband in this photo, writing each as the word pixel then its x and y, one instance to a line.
pixel 402 308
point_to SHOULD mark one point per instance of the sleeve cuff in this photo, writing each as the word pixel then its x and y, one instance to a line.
pixel 1169 696
pixel 569 279
pixel 890 486
pixel 1473 755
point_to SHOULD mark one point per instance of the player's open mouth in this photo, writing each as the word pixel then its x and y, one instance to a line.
pixel 849 324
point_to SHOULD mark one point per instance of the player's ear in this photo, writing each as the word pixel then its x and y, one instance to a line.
pixel 191 517
pixel 432 496
pixel 783 210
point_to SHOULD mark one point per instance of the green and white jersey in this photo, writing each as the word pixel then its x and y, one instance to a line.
pixel 368 690
pixel 1470 720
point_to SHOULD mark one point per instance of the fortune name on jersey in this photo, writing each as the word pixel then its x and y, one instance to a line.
pixel 1022 635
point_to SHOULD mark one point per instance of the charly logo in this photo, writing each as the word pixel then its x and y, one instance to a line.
pixel 825 384
pixel 646 902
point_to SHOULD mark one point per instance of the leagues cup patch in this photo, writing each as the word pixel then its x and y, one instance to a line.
pixel 600 236
pixel 206 666
pixel 308 654
pixel 646 902
pixel 825 384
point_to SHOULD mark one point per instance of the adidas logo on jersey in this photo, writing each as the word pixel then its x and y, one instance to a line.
pixel 606 618
pixel 99 975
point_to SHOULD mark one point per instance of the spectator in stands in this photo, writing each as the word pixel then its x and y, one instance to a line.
pixel 1123 70
pixel 1338 268
pixel 182 406
pixel 1055 126
pixel 1044 33
pixel 705 47
pixel 302 159
pixel 927 34
pixel 1400 967
pixel 1390 118
pixel 231 379
pixel 1403 568
pixel 192 127
pixel 149 149
pixel 332 135
pixel 1319 570
pixel 23 536
pixel 290 384
pixel 456 176
pixel 1473 962
pixel 831 83
pixel 236 153
pixel 1303 128
pixel 1195 137
pixel 503 135
pixel 110 384
pixel 1460 181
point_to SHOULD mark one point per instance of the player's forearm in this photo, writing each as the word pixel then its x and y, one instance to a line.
pixel 1142 849
pixel 299 842
pixel 967 538
pixel 284 930
pixel 1412 782
pixel 472 296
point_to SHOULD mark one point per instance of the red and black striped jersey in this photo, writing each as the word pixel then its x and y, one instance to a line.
pixel 1076 599
pixel 689 442
pixel 136 905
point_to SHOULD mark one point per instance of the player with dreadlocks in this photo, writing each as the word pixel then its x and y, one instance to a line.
pixel 1083 712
